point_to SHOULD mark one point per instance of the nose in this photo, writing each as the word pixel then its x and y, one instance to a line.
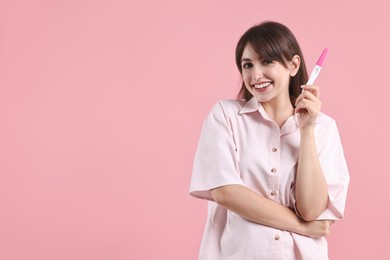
pixel 258 74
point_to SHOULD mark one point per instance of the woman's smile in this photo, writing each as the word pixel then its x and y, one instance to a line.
pixel 261 87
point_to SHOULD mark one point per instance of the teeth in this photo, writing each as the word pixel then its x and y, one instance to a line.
pixel 263 85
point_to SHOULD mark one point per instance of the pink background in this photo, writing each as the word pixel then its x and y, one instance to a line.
pixel 102 103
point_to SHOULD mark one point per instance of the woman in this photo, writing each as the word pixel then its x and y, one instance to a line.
pixel 275 184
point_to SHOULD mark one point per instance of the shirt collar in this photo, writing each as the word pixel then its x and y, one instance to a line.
pixel 254 105
pixel 250 106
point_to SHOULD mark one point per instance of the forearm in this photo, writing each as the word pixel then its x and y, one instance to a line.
pixel 311 191
pixel 254 207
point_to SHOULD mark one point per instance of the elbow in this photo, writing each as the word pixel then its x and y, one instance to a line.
pixel 311 210
pixel 220 195
pixel 309 215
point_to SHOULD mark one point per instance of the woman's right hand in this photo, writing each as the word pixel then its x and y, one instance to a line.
pixel 317 228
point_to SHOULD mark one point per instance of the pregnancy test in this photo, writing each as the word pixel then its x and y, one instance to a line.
pixel 317 67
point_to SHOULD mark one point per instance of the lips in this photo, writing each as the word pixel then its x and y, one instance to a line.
pixel 262 86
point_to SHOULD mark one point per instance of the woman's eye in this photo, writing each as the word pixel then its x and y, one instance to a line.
pixel 247 65
pixel 267 62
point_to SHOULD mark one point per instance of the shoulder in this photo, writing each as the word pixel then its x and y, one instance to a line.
pixel 324 119
pixel 225 111
pixel 229 107
pixel 326 125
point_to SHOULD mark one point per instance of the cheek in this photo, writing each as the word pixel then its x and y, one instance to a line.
pixel 246 78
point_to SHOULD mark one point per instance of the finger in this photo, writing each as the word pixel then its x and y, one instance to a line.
pixel 312 105
pixel 310 95
pixel 300 97
pixel 312 88
pixel 306 104
pixel 307 95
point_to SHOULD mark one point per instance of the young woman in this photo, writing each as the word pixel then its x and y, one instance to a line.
pixel 275 182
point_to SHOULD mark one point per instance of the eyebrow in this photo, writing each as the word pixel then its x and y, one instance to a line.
pixel 246 59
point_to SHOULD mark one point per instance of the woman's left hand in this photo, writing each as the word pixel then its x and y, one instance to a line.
pixel 308 106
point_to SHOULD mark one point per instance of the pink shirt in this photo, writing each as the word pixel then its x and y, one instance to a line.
pixel 240 144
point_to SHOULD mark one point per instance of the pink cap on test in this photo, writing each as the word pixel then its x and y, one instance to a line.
pixel 322 57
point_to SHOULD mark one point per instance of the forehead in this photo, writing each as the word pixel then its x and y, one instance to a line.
pixel 249 52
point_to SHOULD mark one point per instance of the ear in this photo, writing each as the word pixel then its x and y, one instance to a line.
pixel 294 65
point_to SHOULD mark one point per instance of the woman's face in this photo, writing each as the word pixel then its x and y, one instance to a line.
pixel 266 80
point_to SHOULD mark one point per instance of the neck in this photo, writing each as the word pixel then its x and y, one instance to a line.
pixel 279 110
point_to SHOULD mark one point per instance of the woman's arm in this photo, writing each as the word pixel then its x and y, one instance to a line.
pixel 311 191
pixel 254 207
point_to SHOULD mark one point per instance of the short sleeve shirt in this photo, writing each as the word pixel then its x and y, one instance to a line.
pixel 240 144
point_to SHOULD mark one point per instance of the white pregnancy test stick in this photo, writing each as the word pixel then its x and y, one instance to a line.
pixel 317 67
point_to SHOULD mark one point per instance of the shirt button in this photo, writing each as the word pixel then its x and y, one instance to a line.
pixel 276 237
pixel 273 193
pixel 273 170
pixel 274 149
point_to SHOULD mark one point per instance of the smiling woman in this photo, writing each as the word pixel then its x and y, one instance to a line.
pixel 261 75
pixel 274 185
pixel 269 46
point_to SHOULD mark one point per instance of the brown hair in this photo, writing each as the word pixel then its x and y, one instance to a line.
pixel 273 41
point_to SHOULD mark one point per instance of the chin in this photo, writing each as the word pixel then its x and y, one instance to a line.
pixel 261 98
